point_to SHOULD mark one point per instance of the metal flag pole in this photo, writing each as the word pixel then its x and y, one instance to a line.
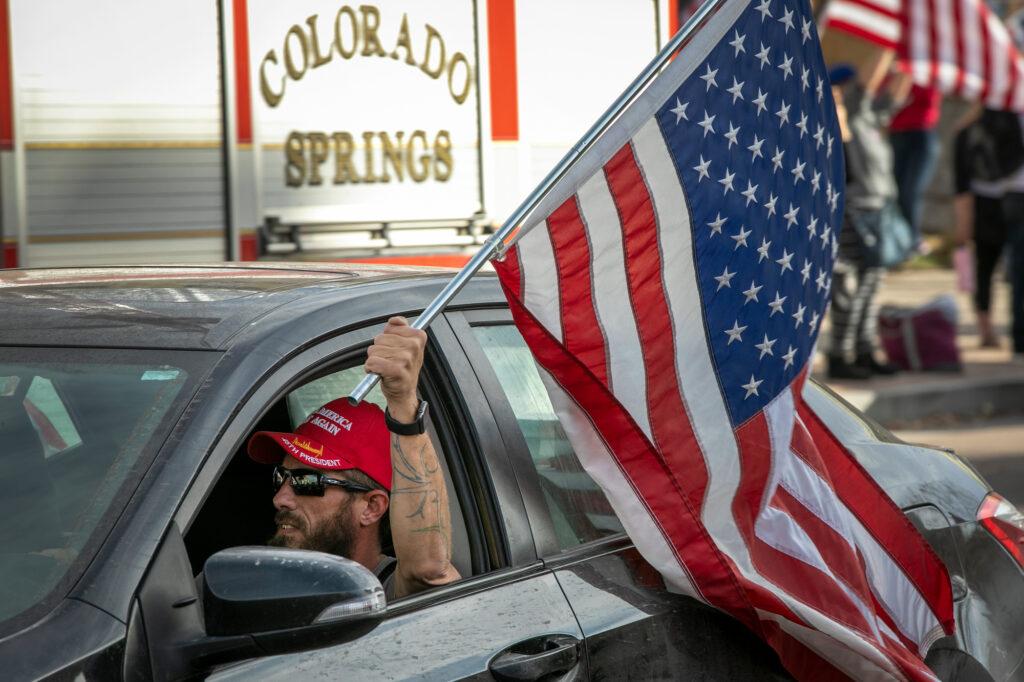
pixel 488 249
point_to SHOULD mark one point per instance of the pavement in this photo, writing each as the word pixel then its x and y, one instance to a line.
pixel 990 386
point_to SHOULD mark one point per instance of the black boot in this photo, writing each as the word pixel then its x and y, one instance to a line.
pixel 868 362
pixel 839 368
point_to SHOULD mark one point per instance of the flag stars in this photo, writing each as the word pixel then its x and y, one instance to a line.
pixel 763 56
pixel 737 43
pixel 765 347
pixel 783 113
pixel 724 279
pixel 819 281
pixel 777 159
pixel 732 135
pixel 815 183
pixel 763 9
pixel 812 228
pixel 786 66
pixel 819 137
pixel 805 78
pixel 702 169
pixel 798 316
pixel 709 77
pixel 802 125
pixel 819 90
pixel 790 216
pixel 788 358
pixel 717 223
pixel 828 148
pixel 763 250
pixel 736 90
pixel 751 293
pixel 776 305
pixel 824 237
pixel 755 148
pixel 770 204
pixel 726 181
pixel 680 111
pixel 784 261
pixel 749 193
pixel 798 171
pixel 741 237
pixel 751 386
pixel 813 324
pixel 708 123
pixel 805 30
pixel 805 271
pixel 787 20
pixel 736 333
pixel 761 101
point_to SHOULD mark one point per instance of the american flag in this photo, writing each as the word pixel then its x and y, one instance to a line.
pixel 960 47
pixel 671 289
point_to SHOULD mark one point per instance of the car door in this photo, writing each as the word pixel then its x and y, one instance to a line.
pixel 507 618
pixel 634 628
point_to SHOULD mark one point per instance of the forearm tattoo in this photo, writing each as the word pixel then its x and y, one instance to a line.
pixel 418 478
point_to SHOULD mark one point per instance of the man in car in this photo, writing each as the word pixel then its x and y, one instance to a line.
pixel 347 468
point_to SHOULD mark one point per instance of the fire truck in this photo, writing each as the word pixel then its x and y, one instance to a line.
pixel 204 130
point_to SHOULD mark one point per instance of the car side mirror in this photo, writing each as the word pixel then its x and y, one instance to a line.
pixel 253 590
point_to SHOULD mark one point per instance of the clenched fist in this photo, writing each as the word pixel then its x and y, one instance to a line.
pixel 397 356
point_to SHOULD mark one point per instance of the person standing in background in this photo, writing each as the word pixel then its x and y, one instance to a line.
pixel 914 138
pixel 870 189
pixel 978 208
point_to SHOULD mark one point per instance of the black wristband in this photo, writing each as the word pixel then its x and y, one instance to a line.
pixel 418 425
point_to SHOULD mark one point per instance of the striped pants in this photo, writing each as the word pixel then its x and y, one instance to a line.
pixel 854 309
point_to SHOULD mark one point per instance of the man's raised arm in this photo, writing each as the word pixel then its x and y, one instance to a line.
pixel 420 519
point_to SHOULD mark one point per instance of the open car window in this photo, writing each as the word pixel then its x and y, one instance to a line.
pixel 244 494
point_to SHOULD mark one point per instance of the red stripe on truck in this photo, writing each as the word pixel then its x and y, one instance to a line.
pixel 243 89
pixel 501 48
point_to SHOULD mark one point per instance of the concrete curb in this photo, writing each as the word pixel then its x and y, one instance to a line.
pixel 939 403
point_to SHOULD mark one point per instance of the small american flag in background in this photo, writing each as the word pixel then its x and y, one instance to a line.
pixel 672 288
pixel 960 47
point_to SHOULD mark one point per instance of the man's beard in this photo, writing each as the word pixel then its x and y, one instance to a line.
pixel 333 536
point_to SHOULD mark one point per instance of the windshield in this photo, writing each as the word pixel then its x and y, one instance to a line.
pixel 76 427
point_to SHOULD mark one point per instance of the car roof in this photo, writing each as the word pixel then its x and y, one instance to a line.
pixel 170 306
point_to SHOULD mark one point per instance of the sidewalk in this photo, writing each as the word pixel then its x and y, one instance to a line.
pixel 991 384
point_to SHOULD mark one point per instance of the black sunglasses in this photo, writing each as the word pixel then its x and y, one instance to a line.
pixel 313 482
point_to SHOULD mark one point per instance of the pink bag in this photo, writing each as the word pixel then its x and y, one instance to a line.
pixel 923 338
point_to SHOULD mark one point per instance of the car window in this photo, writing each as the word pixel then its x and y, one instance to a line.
pixel 244 492
pixel 74 428
pixel 579 510
pixel 308 397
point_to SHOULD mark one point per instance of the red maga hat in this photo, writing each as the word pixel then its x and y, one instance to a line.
pixel 336 437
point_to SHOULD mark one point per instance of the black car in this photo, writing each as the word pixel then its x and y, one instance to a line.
pixel 127 396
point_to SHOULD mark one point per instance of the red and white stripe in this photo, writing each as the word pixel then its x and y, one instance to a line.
pixel 960 47
pixel 774 522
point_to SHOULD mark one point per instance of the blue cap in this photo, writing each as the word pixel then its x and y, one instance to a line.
pixel 840 73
